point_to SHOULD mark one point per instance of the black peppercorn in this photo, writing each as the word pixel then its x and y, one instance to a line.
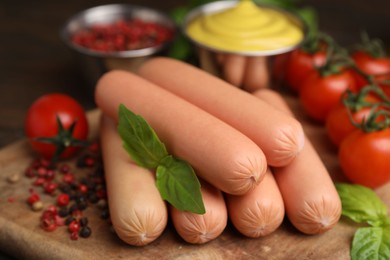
pixel 82 205
pixel 63 212
pixel 69 220
pixel 93 198
pixel 105 214
pixel 83 221
pixel 85 232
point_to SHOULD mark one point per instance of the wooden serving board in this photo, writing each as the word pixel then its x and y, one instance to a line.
pixel 21 236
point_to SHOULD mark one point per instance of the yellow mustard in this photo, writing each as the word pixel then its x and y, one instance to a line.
pixel 246 27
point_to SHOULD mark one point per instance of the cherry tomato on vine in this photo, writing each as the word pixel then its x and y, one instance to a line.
pixel 370 65
pixel 56 126
pixel 319 94
pixel 383 81
pixel 279 67
pixel 301 64
pixel 365 157
pixel 338 123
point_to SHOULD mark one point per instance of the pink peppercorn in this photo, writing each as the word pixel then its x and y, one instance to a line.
pixel 65 168
pixel 74 226
pixel 89 161
pixel 52 209
pixel 34 197
pixel 50 174
pixel 41 171
pixel 30 172
pixel 50 187
pixel 48 225
pixel 39 181
pixel 74 236
pixel 68 178
pixel 63 200
pixel 83 188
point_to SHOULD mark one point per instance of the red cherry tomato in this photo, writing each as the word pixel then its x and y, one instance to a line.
pixel 383 81
pixel 365 157
pixel 319 94
pixel 301 64
pixel 369 65
pixel 41 122
pixel 279 68
pixel 338 124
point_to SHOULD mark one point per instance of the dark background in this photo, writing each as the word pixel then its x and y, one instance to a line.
pixel 34 61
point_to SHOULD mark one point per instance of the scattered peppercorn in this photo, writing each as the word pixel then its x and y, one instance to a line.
pixel 48 225
pixel 50 187
pixel 83 221
pixel 29 172
pixel 83 188
pixel 34 197
pixel 74 235
pixel 37 205
pixel 14 178
pixel 74 226
pixel 102 204
pixel 39 181
pixel 50 174
pixel 63 200
pixel 93 198
pixel 68 178
pixel 105 214
pixel 85 232
pixel 82 205
pixel 77 213
pixel 73 193
pixel 41 171
pixel 63 212
pixel 69 219
pixel 65 168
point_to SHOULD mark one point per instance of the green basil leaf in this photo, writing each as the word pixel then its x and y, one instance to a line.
pixel 178 184
pixel 179 13
pixel 371 243
pixel 181 48
pixel 361 204
pixel 175 179
pixel 310 17
pixel 286 4
pixel 139 139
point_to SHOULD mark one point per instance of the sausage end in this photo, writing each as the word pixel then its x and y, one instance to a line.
pixel 139 229
pixel 317 218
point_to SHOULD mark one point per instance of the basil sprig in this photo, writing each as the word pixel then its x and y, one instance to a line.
pixel 362 205
pixel 175 178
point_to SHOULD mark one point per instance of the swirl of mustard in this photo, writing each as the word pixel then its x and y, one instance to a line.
pixel 246 27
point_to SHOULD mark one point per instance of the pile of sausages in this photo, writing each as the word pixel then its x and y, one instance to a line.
pixel 252 156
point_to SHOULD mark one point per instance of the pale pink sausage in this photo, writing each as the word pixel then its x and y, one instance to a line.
pixel 280 136
pixel 200 229
pixel 259 212
pixel 219 58
pixel 233 69
pixel 256 74
pixel 311 199
pixel 220 154
pixel 137 211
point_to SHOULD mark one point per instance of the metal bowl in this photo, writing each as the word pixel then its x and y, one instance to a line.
pixel 95 63
pixel 218 6
pixel 209 57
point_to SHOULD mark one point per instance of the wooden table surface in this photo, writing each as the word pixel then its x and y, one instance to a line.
pixel 34 61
